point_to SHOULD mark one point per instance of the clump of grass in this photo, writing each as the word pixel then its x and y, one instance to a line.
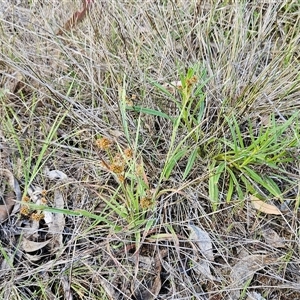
pixel 267 148
pixel 206 78
pixel 133 195
pixel 191 106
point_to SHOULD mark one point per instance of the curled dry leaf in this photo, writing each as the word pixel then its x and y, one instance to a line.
pixel 244 270
pixel 30 246
pixel 48 217
pixel 272 238
pixel 18 195
pixel 9 176
pixel 35 194
pixel 58 222
pixel 8 186
pixel 264 207
pixel 203 267
pixel 56 175
pixel 33 258
pixel 203 240
pixel 57 225
pixel 152 292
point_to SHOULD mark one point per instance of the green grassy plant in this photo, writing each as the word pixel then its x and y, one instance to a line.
pixel 157 113
pixel 271 148
pixel 191 106
pixel 31 162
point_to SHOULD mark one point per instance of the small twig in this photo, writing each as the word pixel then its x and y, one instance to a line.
pixel 77 17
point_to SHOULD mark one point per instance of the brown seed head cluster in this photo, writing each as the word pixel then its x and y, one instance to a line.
pixel 128 153
pixel 117 159
pixel 44 193
pixel 146 202
pixel 25 199
pixel 37 216
pixel 117 168
pixel 118 165
pixel 24 210
pixel 121 178
pixel 103 143
pixel 192 81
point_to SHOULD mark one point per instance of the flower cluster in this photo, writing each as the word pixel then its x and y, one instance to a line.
pixel 115 161
pixel 121 163
pixel 35 215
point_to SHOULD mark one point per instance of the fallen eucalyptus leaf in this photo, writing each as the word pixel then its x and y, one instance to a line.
pixel 272 238
pixel 8 185
pixel 203 240
pixel 30 246
pixel 244 270
pixel 203 267
pixel 264 207
pixel 33 258
pixel 31 229
pixel 6 209
pixel 57 225
pixel 56 175
pixel 150 293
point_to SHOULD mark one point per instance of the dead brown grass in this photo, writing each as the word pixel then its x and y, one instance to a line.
pixel 251 55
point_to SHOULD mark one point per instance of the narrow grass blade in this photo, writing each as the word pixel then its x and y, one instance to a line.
pixel 249 187
pixel 230 190
pixel 40 160
pixel 267 184
pixel 238 132
pixel 274 187
pixel 149 111
pixel 163 89
pixel 233 184
pixel 6 257
pixel 172 162
pixel 190 163
pixel 215 174
pixel 233 134
pixel 79 212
